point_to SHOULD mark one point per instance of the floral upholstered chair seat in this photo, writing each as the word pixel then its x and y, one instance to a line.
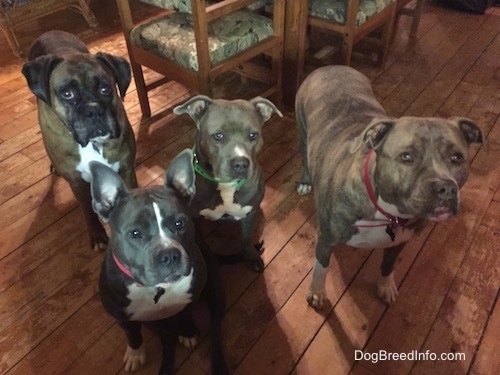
pixel 336 10
pixel 172 36
pixel 184 6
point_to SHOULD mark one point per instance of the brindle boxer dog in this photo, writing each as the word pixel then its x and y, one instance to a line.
pixel 81 115
pixel 376 179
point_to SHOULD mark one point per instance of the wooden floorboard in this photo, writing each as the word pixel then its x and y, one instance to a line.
pixel 51 319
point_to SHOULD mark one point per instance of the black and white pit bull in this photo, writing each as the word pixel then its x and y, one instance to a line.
pixel 154 269
pixel 376 179
pixel 228 139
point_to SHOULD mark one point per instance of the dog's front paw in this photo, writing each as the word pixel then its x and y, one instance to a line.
pixel 134 359
pixel 303 188
pixel 253 260
pixel 188 342
pixel 387 289
pixel 99 242
pixel 316 299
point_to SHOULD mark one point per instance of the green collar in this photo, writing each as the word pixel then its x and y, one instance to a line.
pixel 207 176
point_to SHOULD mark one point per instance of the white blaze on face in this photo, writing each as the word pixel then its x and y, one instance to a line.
pixel 159 220
pixel 165 239
pixel 240 152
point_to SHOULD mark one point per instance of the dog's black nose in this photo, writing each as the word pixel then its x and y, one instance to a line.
pixel 169 257
pixel 445 189
pixel 240 164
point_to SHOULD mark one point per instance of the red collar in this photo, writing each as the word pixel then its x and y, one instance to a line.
pixel 371 194
pixel 121 267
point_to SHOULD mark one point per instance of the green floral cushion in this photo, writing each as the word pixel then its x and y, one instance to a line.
pixel 185 5
pixel 172 36
pixel 336 9
pixel 177 5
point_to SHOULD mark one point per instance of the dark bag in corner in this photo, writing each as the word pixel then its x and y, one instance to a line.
pixel 473 6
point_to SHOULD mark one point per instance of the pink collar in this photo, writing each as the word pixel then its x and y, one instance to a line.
pixel 121 267
pixel 397 221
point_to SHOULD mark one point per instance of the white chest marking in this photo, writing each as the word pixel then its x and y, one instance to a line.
pixel 143 307
pixel 371 235
pixel 228 206
pixel 88 154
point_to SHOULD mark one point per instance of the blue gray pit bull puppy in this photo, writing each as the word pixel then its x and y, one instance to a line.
pixel 230 184
pixel 376 179
pixel 156 268
pixel 81 115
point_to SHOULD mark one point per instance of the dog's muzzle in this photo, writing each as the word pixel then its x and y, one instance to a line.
pixel 239 166
pixel 94 121
pixel 446 198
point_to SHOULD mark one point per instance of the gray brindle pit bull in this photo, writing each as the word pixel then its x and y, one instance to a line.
pixel 376 179
pixel 228 139
pixel 81 115
pixel 155 271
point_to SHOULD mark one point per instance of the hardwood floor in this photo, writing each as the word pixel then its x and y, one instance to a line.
pixel 51 319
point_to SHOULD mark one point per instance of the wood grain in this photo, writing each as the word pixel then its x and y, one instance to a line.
pixel 51 319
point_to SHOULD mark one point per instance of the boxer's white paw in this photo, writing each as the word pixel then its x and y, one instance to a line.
pixel 188 342
pixel 99 240
pixel 134 359
pixel 316 299
pixel 387 289
pixel 303 188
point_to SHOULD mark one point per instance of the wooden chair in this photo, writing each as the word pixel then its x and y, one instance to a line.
pixel 353 20
pixel 16 13
pixel 413 9
pixel 197 41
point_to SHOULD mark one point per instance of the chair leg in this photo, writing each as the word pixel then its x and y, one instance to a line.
pixel 416 14
pixel 385 42
pixel 142 91
pixel 346 53
pixel 11 38
pixel 88 14
pixel 277 74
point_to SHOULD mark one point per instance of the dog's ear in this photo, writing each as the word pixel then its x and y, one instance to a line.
pixel 106 187
pixel 374 134
pixel 194 107
pixel 180 174
pixel 265 108
pixel 120 69
pixel 471 132
pixel 37 73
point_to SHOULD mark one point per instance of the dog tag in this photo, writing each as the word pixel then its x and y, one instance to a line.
pixel 159 292
pixel 390 232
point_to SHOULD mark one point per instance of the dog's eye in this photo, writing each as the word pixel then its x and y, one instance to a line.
pixel 179 224
pixel 406 157
pixel 105 90
pixel 218 137
pixel 67 94
pixel 253 136
pixel 457 158
pixel 135 234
